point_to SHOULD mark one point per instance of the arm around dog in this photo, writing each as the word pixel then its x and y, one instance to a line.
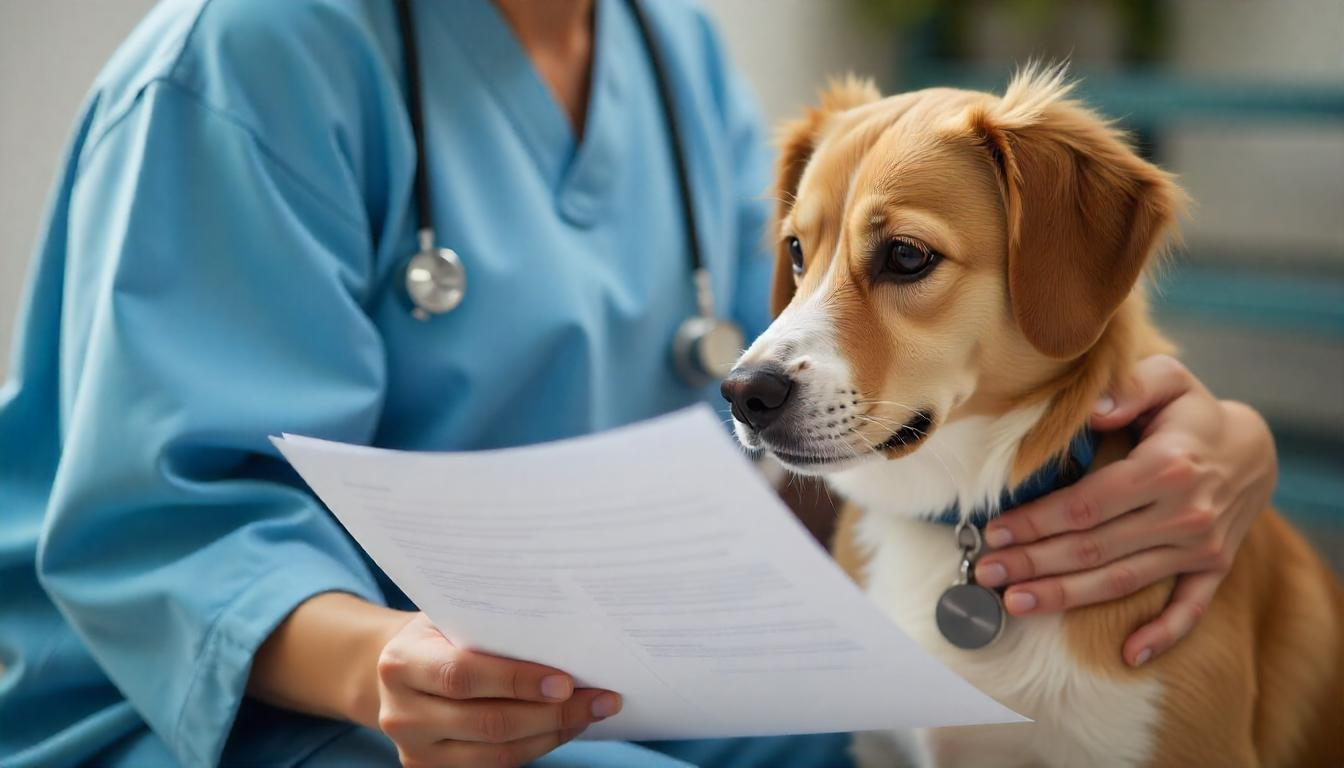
pixel 1179 504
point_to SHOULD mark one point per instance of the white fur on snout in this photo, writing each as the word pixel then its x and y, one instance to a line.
pixel 802 341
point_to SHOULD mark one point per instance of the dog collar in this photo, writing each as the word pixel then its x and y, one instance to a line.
pixel 971 616
pixel 1053 476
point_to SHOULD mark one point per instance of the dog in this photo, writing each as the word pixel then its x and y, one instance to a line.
pixel 959 277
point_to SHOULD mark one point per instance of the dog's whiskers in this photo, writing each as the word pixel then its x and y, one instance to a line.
pixel 932 451
pixel 906 406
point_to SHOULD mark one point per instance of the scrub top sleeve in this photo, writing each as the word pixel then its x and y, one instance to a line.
pixel 212 298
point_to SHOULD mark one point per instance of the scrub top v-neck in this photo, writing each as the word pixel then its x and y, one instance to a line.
pixel 581 173
pixel 594 269
pixel 221 261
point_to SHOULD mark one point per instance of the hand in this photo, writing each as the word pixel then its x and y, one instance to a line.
pixel 443 706
pixel 1179 504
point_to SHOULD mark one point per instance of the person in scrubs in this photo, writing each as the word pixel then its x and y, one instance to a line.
pixel 222 261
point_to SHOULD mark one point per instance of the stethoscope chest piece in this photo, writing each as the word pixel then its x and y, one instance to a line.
pixel 435 281
pixel 705 349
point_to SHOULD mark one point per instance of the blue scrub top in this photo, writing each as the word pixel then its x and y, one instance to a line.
pixel 222 261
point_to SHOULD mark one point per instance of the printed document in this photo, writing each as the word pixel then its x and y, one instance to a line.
pixel 651 560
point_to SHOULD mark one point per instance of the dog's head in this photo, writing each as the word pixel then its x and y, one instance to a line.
pixel 940 253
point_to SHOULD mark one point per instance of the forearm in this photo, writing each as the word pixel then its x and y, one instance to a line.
pixel 322 660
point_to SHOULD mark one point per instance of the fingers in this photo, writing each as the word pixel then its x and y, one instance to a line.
pixel 442 705
pixel 429 719
pixel 517 753
pixel 1189 601
pixel 1078 551
pixel 1156 381
pixel 1109 582
pixel 438 667
pixel 1101 496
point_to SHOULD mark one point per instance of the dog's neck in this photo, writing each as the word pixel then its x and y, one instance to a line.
pixel 966 462
pixel 972 459
pixel 1072 395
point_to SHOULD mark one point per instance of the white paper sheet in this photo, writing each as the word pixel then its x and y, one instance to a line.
pixel 651 560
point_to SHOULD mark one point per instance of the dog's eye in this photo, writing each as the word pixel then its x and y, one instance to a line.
pixel 796 255
pixel 905 261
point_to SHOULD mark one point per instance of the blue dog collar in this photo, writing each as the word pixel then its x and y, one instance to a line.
pixel 1053 476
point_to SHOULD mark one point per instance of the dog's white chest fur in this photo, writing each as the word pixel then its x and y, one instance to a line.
pixel 1082 718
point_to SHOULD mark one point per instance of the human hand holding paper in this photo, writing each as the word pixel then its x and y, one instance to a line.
pixel 652 561
pixel 446 705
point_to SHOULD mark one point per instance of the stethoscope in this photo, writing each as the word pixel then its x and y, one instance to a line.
pixel 705 346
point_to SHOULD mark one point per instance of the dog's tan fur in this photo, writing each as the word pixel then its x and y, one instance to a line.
pixel 1046 219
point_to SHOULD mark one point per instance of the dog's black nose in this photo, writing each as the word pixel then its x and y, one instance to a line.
pixel 758 394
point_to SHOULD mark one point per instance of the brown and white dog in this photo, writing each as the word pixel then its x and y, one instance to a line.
pixel 957 283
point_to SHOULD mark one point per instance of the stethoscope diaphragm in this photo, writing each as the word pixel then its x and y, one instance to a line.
pixel 436 281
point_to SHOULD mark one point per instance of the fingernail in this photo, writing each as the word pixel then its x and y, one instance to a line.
pixel 1019 602
pixel 556 687
pixel 1104 405
pixel 991 574
pixel 1143 657
pixel 606 705
pixel 998 538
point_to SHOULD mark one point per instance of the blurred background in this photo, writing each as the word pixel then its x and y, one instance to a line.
pixel 1244 99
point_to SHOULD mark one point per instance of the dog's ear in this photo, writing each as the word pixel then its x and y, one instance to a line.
pixel 1084 211
pixel 797 139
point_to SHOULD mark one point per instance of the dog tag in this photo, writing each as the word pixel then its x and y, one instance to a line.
pixel 968 615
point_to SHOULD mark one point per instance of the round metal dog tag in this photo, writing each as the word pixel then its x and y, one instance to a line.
pixel 970 616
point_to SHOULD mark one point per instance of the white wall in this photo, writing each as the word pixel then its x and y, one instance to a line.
pixel 789 48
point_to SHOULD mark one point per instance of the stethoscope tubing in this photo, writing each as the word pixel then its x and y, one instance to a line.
pixel 435 278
